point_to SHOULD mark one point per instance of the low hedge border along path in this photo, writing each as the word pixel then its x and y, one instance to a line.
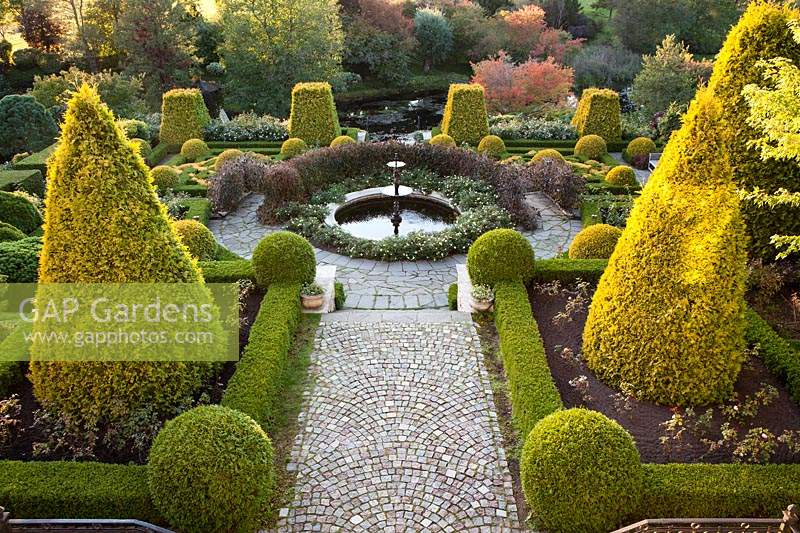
pixel 392 285
pixel 418 449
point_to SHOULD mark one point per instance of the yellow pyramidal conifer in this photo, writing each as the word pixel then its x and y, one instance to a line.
pixel 668 314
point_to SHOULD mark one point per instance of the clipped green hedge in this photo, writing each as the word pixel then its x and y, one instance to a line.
pixel 779 356
pixel 718 490
pixel 183 116
pixel 452 296
pixel 62 489
pixel 256 386
pixel 568 270
pixel 197 207
pixel 227 271
pixel 465 118
pixel 22 180
pixel 339 295
pixel 313 115
pixel 533 393
pixel 37 161
pixel 157 154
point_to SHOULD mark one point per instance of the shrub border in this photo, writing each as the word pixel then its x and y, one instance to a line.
pixel 677 490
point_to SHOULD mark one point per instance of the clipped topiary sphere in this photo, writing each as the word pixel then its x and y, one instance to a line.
pixel 442 140
pixel 293 147
pixel 498 255
pixel 595 242
pixel 227 155
pixel 19 212
pixel 141 146
pixel 622 175
pixel 547 153
pixel 580 472
pixel 25 126
pixel 194 150
pixel 640 146
pixel 591 147
pixel 342 139
pixel 284 256
pixel 164 177
pixel 197 238
pixel 492 146
pixel 211 469
pixel 10 233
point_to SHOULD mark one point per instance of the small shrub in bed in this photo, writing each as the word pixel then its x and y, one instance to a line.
pixel 293 147
pixel 640 146
pixel 558 180
pixel 197 238
pixel 622 175
pixel 442 140
pixel 580 472
pixel 234 179
pixel 595 242
pixel 342 140
pixel 211 469
pixel 19 212
pixel 225 156
pixel 19 260
pixel 10 233
pixel 500 255
pixel 164 177
pixel 591 147
pixel 547 153
pixel 194 150
pixel 284 256
pixel 492 146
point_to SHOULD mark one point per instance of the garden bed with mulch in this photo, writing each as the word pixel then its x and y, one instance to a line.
pixel 34 435
pixel 759 424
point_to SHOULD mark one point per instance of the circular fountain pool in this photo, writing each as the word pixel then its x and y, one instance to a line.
pixel 370 214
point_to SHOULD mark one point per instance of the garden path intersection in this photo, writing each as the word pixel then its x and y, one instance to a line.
pixel 399 431
pixel 400 284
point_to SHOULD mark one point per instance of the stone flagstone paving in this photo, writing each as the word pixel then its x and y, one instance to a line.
pixel 399 430
pixel 392 285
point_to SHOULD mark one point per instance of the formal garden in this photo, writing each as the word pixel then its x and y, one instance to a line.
pixel 559 290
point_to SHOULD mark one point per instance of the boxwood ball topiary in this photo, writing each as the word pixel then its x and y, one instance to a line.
pixel 211 469
pixel 284 256
pixel 622 175
pixel 580 472
pixel 10 233
pixel 19 212
pixel 25 126
pixel 500 255
pixel 293 147
pixel 641 146
pixel 194 150
pixel 595 242
pixel 164 177
pixel 19 260
pixel 227 155
pixel 591 147
pixel 442 140
pixel 341 140
pixel 492 146
pixel 197 238
pixel 547 153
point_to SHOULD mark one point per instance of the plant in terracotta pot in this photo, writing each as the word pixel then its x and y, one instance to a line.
pixel 312 295
pixel 482 297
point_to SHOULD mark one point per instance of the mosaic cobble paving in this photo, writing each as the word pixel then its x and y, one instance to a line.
pixel 399 430
pixel 393 285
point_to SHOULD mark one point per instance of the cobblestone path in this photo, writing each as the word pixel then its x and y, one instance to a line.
pixel 399 430
pixel 392 285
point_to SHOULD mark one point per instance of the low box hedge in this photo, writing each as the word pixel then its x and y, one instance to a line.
pixel 533 393
pixel 718 490
pixel 256 386
pixel 37 161
pixel 158 153
pixel 781 358
pixel 31 181
pixel 197 207
pixel 65 489
pixel 568 270
pixel 227 271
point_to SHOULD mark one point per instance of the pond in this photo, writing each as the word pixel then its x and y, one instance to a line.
pixel 394 119
pixel 372 216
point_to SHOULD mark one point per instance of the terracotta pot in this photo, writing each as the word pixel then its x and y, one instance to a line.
pixel 481 305
pixel 312 302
